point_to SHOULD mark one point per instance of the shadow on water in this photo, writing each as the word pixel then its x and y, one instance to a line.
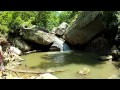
pixel 71 62
pixel 53 59
pixel 117 64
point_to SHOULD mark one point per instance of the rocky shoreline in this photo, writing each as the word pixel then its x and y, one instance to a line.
pixel 88 32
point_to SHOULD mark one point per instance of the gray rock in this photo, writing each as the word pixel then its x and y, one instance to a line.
pixel 60 29
pixel 37 36
pixel 22 45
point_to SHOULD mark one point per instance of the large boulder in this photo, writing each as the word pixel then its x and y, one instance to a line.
pixel 63 25
pixel 99 45
pixel 60 29
pixel 85 27
pixel 21 44
pixel 37 36
pixel 88 24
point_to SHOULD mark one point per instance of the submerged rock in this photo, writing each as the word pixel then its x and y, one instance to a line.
pixel 112 77
pixel 84 71
pixel 105 58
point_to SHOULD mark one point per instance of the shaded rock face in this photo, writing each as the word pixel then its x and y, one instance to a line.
pixel 37 36
pixel 40 47
pixel 117 41
pixel 54 48
pixel 99 45
pixel 21 44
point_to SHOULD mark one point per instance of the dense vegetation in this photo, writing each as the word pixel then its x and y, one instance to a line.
pixel 12 20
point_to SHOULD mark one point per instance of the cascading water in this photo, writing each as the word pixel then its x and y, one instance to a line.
pixel 61 44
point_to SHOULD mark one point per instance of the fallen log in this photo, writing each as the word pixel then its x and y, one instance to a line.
pixel 32 72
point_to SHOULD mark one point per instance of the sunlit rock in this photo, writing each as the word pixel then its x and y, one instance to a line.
pixel 15 50
pixel 47 76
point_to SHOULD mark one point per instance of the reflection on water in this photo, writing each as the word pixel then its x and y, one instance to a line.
pixel 71 62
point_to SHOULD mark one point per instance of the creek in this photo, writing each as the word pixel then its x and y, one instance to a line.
pixel 71 62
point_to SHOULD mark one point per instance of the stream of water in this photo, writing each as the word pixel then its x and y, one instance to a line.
pixel 71 62
pixel 61 44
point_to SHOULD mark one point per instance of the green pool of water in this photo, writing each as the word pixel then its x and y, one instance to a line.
pixel 71 62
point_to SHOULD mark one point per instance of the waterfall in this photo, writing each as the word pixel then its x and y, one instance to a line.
pixel 65 47
pixel 61 44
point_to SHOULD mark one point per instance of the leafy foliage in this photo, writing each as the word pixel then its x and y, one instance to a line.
pixel 14 20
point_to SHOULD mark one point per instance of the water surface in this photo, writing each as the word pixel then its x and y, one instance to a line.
pixel 71 62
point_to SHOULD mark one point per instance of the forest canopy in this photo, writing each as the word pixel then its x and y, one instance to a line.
pixel 12 20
